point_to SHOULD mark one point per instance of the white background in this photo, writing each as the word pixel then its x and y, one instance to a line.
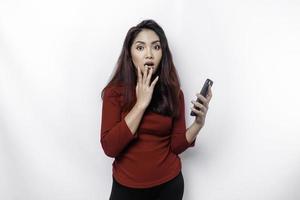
pixel 56 57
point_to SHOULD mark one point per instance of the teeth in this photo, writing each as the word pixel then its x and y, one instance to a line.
pixel 149 64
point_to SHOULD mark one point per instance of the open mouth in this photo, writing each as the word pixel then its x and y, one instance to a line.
pixel 151 64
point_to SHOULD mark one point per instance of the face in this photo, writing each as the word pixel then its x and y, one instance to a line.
pixel 146 49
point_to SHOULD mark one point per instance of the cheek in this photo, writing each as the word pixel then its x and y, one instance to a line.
pixel 137 59
pixel 137 65
pixel 134 59
pixel 159 56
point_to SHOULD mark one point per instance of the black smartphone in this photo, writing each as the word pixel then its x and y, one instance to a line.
pixel 203 92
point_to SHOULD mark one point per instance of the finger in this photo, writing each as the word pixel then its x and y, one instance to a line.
pixel 198 112
pixel 145 74
pixel 139 75
pixel 202 98
pixel 154 82
pixel 209 95
pixel 200 106
pixel 149 76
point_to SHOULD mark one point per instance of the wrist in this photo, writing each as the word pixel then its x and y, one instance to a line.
pixel 140 107
pixel 198 125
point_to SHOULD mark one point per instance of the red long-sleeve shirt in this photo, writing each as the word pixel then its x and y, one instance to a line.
pixel 151 156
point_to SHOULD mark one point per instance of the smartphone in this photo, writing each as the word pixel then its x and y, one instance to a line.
pixel 203 92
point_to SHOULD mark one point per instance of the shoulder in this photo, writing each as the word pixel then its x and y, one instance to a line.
pixel 180 94
pixel 113 90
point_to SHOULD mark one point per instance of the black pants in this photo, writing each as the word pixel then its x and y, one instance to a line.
pixel 172 189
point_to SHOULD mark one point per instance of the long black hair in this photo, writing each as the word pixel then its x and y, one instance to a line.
pixel 165 97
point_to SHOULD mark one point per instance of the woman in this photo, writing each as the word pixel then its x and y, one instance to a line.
pixel 143 119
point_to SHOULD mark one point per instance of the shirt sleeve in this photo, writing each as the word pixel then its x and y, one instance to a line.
pixel 115 134
pixel 179 142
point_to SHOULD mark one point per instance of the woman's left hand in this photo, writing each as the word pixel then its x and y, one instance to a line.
pixel 203 108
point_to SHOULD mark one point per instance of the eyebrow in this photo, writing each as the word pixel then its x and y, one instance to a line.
pixel 144 42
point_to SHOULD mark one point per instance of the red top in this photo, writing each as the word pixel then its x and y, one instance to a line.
pixel 151 156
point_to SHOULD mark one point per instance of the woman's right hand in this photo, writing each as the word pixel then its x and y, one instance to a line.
pixel 143 90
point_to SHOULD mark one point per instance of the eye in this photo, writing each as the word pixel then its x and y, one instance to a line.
pixel 157 47
pixel 139 47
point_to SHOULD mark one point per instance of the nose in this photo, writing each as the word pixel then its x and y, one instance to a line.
pixel 149 53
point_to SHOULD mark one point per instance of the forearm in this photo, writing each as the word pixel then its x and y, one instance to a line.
pixel 192 132
pixel 133 118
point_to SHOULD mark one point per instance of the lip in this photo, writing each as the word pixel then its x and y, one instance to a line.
pixel 149 64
